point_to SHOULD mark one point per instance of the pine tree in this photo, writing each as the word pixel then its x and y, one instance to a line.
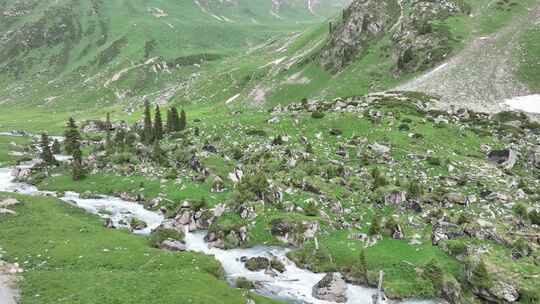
pixel 46 154
pixel 108 124
pixel 148 134
pixel 182 124
pixel 157 153
pixel 375 227
pixel 362 267
pixel 77 163
pixel 108 139
pixel 169 125
pixel 175 120
pixel 77 172
pixel 56 147
pixel 71 136
pixel 158 125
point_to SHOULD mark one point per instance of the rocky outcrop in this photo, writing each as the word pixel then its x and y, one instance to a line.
pixel 331 288
pixel 443 231
pixel 294 232
pixel 500 292
pixel 417 44
pixel 364 22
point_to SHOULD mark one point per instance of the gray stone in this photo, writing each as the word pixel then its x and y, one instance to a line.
pixel 331 288
pixel 173 245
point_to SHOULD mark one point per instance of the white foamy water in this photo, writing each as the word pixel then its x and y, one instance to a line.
pixel 529 104
pixel 293 285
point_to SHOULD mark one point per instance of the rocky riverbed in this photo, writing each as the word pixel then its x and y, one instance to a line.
pixel 292 284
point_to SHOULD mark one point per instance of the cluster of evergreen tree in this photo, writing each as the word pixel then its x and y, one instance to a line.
pixel 46 153
pixel 72 146
pixel 153 132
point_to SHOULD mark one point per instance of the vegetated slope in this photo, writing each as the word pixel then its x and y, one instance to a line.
pixel 69 257
pixel 372 45
pixel 338 166
pixel 376 45
pixel 102 52
pixel 492 66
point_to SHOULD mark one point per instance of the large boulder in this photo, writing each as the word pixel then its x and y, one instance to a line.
pixel 294 232
pixel 172 245
pixel 8 202
pixel 443 231
pixel 506 158
pixel 500 292
pixel 331 288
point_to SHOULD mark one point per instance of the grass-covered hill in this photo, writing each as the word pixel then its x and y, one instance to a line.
pixel 52 50
pixel 83 58
pixel 446 204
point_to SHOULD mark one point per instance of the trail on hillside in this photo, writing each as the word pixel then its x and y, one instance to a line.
pixel 481 76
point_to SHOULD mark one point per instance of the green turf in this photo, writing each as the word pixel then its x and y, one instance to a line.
pixel 68 257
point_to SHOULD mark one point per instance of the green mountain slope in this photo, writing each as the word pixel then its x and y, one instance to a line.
pixel 85 57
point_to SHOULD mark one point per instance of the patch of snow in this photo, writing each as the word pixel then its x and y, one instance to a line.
pixel 529 104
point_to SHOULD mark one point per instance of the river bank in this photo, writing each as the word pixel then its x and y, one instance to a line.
pixel 294 284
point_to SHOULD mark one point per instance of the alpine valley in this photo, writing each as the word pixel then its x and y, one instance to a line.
pixel 269 151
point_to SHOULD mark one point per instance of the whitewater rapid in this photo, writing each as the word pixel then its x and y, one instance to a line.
pixel 293 285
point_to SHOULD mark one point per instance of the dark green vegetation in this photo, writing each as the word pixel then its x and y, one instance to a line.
pixel 69 257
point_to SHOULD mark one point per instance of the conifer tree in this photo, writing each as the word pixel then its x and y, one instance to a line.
pixel 375 227
pixel 158 125
pixel 78 172
pixel 56 147
pixel 182 124
pixel 77 163
pixel 157 153
pixel 71 136
pixel 46 154
pixel 148 134
pixel 108 136
pixel 108 124
pixel 362 267
pixel 175 119
pixel 169 128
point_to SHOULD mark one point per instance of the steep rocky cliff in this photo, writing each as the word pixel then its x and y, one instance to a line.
pixel 364 22
pixel 418 43
pixel 417 40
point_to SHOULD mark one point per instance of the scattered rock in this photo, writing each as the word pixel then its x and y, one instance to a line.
pixel 331 288
pixel 506 158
